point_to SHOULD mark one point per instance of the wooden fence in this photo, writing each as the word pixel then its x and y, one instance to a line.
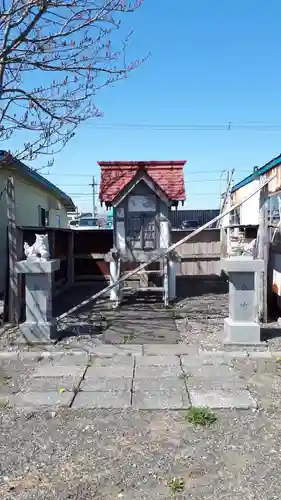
pixel 82 253
pixel 199 256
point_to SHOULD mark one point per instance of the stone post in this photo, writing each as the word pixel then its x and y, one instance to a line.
pixel 172 277
pixel 40 326
pixel 242 327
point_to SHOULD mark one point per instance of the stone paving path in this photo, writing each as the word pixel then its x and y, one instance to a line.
pixel 152 377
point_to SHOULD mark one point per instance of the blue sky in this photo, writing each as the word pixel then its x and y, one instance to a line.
pixel 211 63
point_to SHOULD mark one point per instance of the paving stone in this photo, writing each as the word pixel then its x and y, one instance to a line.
pixel 110 371
pixel 159 384
pixel 40 400
pixel 208 371
pixel 215 383
pixel 108 351
pixel 8 355
pixel 114 361
pixel 158 361
pixel 131 349
pixel 220 357
pixel 71 360
pixel 43 384
pixel 93 384
pixel 107 399
pixel 260 355
pixel 241 399
pixel 160 400
pixel 169 349
pixel 151 372
pixel 50 370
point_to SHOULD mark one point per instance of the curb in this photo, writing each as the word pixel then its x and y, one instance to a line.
pixel 108 351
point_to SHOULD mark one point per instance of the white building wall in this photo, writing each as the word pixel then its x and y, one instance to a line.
pixel 28 199
pixel 249 211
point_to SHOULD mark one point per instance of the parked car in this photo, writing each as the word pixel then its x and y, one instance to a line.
pixel 190 224
pixel 87 223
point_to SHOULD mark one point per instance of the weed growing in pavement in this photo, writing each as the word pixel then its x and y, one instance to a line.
pixel 200 416
pixel 176 484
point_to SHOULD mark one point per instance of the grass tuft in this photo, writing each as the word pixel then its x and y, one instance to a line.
pixel 200 416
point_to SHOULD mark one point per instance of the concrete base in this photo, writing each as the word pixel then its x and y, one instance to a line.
pixel 39 333
pixel 242 332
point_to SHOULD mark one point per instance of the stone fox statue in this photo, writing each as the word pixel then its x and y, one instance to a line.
pixel 39 249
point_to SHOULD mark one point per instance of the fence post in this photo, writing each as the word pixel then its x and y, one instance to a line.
pixel 263 251
pixel 70 259
pixel 14 252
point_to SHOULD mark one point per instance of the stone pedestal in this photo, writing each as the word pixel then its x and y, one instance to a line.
pixel 242 327
pixel 116 292
pixel 39 326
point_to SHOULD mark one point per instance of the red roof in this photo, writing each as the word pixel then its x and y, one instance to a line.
pixel 115 175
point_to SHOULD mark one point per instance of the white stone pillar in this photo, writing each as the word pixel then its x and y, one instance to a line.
pixel 242 327
pixel 172 276
pixel 40 326
pixel 114 270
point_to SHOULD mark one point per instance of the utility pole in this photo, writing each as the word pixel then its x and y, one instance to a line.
pixel 94 184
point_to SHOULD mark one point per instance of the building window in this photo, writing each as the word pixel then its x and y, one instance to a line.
pixel 43 217
pixel 142 232
pixel 235 217
pixel 58 220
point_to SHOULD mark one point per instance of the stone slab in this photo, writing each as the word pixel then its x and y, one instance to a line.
pixel 110 371
pixel 234 347
pixel 160 400
pixel 242 332
pixel 44 384
pixel 71 360
pixel 37 333
pixel 131 349
pixel 41 400
pixel 242 264
pixel 260 355
pixel 107 399
pixel 241 399
pixel 151 372
pixel 158 361
pixel 30 266
pixel 114 361
pixel 220 357
pixel 50 371
pixel 215 383
pixel 11 355
pixel 93 384
pixel 159 384
pixel 169 349
pixel 210 371
pixel 108 351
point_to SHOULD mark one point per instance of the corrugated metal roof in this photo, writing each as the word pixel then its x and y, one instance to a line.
pixel 257 173
pixel 8 159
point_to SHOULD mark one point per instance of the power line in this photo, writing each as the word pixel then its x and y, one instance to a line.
pixel 192 172
pixel 225 126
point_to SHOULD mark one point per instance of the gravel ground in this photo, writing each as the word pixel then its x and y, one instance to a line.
pixel 104 455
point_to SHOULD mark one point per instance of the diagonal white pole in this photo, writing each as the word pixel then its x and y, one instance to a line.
pixel 161 254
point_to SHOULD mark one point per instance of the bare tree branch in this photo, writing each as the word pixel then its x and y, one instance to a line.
pixel 68 46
